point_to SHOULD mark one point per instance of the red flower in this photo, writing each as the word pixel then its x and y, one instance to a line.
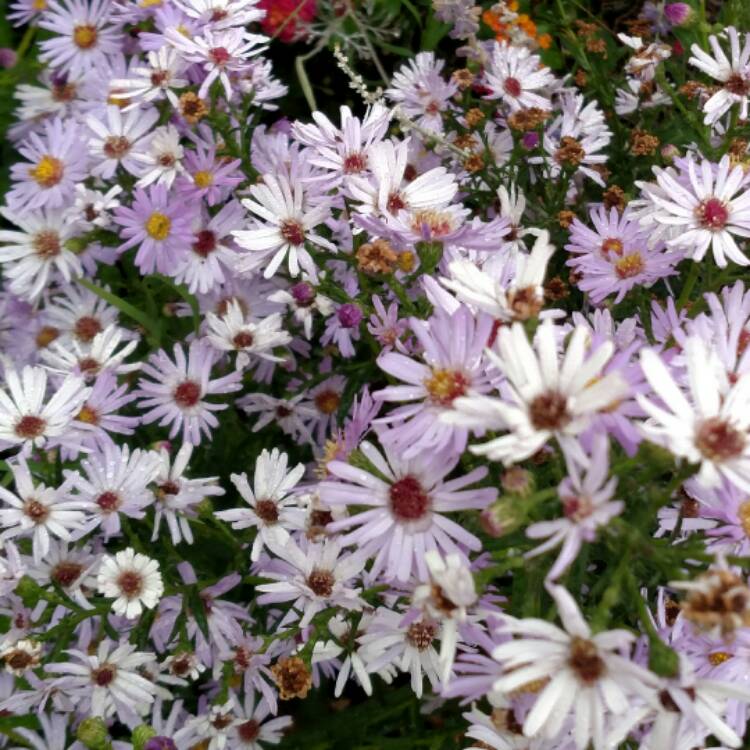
pixel 277 13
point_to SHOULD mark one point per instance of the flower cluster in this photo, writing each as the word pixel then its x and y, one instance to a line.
pixel 366 401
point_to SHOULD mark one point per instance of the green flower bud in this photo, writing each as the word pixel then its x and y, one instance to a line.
pixel 29 591
pixel 502 517
pixel 663 660
pixel 93 733
pixel 141 735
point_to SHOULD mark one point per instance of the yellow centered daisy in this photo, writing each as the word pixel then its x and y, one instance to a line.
pixel 158 226
pixel 84 36
pixel 48 172
pixel 203 179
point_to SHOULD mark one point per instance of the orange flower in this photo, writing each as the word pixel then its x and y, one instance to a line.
pixel 544 41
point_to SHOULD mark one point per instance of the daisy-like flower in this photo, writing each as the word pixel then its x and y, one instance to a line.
pixel 232 332
pixel 38 511
pixel 273 511
pixel 107 683
pixel 544 397
pixel 208 176
pixel 287 222
pixel 251 730
pixel 515 76
pixel 421 92
pixel 391 640
pixel 73 569
pixel 221 53
pixel 161 162
pixel 115 481
pixel 290 415
pixel 587 677
pixel 132 580
pixel 705 206
pixel 407 499
pixel 178 390
pixel 35 252
pixel 210 729
pixel 712 427
pixel 617 256
pixel 56 160
pixel 733 73
pixel 151 82
pixel 221 14
pixel 314 578
pixel 586 503
pixel 446 598
pixel 303 300
pixel 103 354
pixel 118 141
pixel 83 38
pixel 343 150
pixel 177 496
pixel 25 419
pixel 79 314
pixel 212 252
pixel 453 353
pixel 92 208
pixel 519 299
pixel 159 225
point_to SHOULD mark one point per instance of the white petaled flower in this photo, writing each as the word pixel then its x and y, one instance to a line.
pixel 547 396
pixel 515 76
pixel 220 14
pixel 107 682
pixel 520 299
pixel 177 496
pixel 71 568
pixel 251 731
pixel 712 428
pixel 162 161
pixel 703 210
pixel 132 580
pixel 38 511
pixel 273 511
pixel 210 729
pixel 447 598
pixel 231 332
pixel 35 252
pixel 21 656
pixel 732 72
pixel 118 142
pixel 88 360
pixel 153 81
pixel 92 208
pixel 286 224
pixel 25 418
pixel 314 579
pixel 221 53
pixel 585 675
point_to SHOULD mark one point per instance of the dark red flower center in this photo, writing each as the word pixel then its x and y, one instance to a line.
pixel 187 394
pixel 512 86
pixel 408 500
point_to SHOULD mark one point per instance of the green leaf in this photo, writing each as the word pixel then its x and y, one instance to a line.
pixel 433 32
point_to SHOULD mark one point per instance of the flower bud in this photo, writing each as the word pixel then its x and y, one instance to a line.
pixel 502 517
pixel 678 14
pixel 93 734
pixel 141 737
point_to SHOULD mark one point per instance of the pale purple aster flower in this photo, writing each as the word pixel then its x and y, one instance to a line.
pixel 71 568
pixel 222 14
pixel 116 142
pixel 54 732
pixel 107 683
pixel 151 82
pixel 221 53
pixel 115 482
pixel 453 364
pixel 273 511
pixel 343 328
pixel 212 250
pixel 618 257
pixel 38 511
pixel 303 300
pixel 313 578
pixel 386 326
pixel 56 160
pixel 407 500
pixel 286 222
pixel 391 640
pixel 250 663
pixel 178 391
pixel 83 35
pixel 35 253
pixel 25 418
pixel 177 496
pixel 251 729
pixel 161 160
pixel 586 504
pixel 207 176
pixel 23 12
pixel 517 78
pixel 290 415
pixel 160 226
pixel 421 92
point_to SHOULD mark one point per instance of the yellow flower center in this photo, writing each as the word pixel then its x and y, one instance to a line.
pixel 158 226
pixel 39 4
pixel 406 261
pixel 88 415
pixel 629 266
pixel 743 513
pixel 84 36
pixel 203 179
pixel 719 657
pixel 446 385
pixel 149 3
pixel 48 172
